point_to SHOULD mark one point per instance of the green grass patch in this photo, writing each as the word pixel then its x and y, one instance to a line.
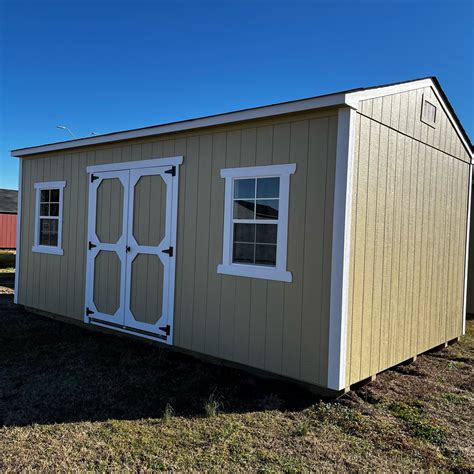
pixel 7 260
pixel 417 424
pixel 455 398
pixel 7 270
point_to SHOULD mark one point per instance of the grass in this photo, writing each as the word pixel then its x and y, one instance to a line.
pixel 7 261
pixel 7 271
pixel 73 399
pixel 212 405
pixel 412 415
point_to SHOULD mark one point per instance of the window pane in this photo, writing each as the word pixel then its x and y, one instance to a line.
pixel 48 232
pixel 265 254
pixel 46 225
pixel 53 239
pixel 54 197
pixel 244 188
pixel 244 209
pixel 44 238
pixel 267 233
pixel 54 209
pixel 44 210
pixel 45 195
pixel 243 253
pixel 268 187
pixel 267 209
pixel 429 112
pixel 244 233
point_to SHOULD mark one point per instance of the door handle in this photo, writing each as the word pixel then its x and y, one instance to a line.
pixel 127 248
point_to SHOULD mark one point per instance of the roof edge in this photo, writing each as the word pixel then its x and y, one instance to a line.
pixel 349 98
pixel 283 108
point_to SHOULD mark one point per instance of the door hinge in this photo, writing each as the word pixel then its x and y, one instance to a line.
pixel 91 245
pixel 171 171
pixel 166 329
pixel 93 177
pixel 89 312
pixel 169 251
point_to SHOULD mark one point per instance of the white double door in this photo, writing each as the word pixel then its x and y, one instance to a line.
pixel 131 250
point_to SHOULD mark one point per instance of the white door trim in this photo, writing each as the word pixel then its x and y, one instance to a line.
pixel 173 185
pixel 130 165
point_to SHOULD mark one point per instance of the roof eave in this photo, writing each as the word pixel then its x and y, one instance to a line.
pixel 211 121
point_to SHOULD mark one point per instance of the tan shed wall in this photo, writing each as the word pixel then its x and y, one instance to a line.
pixel 408 235
pixel 275 326
pixel 402 112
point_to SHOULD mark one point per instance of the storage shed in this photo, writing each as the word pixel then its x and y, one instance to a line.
pixel 8 211
pixel 322 240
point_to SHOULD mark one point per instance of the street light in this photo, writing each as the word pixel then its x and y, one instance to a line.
pixel 63 127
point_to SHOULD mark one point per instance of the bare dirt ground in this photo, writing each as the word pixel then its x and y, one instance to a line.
pixel 75 399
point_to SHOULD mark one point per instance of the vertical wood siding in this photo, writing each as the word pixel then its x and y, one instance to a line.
pixel 279 327
pixel 7 231
pixel 408 234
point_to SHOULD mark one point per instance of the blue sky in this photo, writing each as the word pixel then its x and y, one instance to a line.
pixel 103 65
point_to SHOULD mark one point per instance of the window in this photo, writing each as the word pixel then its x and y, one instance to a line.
pixel 48 218
pixel 428 113
pixel 256 222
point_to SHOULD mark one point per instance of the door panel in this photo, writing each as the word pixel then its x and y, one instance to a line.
pixel 110 208
pixel 107 270
pixel 107 235
pixel 149 212
pixel 146 297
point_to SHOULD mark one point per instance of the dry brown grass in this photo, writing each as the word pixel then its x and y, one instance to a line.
pixel 72 399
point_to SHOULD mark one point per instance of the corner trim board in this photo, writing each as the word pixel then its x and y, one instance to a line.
pixel 341 247
pixel 466 262
pixel 18 229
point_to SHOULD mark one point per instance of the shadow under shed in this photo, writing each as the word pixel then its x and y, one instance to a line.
pixel 53 372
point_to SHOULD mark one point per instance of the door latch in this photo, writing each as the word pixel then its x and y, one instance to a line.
pixel 127 248
pixel 169 251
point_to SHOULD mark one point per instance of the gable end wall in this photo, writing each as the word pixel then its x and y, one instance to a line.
pixel 408 232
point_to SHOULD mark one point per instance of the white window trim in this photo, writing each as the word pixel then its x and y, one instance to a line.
pixel 278 273
pixel 57 250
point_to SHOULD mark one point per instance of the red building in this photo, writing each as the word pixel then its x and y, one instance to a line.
pixel 8 211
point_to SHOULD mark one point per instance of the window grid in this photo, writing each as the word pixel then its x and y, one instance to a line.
pixel 254 198
pixel 48 221
pixel 48 217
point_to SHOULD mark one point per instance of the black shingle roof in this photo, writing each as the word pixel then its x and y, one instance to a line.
pixel 8 201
